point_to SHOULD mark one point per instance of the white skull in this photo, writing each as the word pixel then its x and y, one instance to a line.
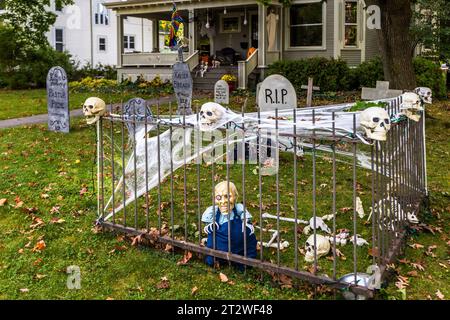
pixel 210 114
pixel 93 109
pixel 425 94
pixel 376 123
pixel 323 247
pixel 411 106
pixel 412 218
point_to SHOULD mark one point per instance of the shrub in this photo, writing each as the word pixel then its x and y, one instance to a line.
pixel 100 71
pixel 328 74
pixel 429 74
pixel 368 73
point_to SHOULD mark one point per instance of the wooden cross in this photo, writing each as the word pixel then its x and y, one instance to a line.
pixel 310 89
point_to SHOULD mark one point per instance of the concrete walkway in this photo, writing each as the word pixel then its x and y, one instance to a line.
pixel 43 118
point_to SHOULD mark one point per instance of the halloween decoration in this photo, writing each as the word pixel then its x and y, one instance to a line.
pixel 425 94
pixel 210 114
pixel 93 109
pixel 322 247
pixel 226 218
pixel 376 123
pixel 411 106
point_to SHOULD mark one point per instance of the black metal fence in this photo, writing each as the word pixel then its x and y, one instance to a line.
pixel 321 177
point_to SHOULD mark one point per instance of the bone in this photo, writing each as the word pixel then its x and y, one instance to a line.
pixel 283 245
pixel 270 216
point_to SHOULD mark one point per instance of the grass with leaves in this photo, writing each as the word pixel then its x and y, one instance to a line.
pixel 50 207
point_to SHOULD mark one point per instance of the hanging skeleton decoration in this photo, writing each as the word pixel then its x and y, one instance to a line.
pixel 376 122
pixel 411 106
pixel 93 109
pixel 210 114
pixel 322 247
pixel 425 94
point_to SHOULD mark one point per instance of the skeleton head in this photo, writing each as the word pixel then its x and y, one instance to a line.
pixel 411 106
pixel 425 94
pixel 376 123
pixel 93 109
pixel 225 198
pixel 210 114
pixel 323 247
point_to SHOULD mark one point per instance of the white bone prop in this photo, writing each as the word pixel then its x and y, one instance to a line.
pixel 341 237
pixel 320 224
pixel 359 240
pixel 376 122
pixel 398 215
pixel 210 114
pixel 322 247
pixel 271 216
pixel 283 245
pixel 360 208
pixel 271 244
pixel 93 109
pixel 411 106
pixel 425 94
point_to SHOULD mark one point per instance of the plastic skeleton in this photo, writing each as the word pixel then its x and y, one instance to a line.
pixel 320 224
pixel 270 243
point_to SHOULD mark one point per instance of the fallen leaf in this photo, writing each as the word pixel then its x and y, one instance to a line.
pixel 83 191
pixel 54 209
pixel 412 273
pixel 168 247
pixel 3 202
pixel 187 256
pixel 45 196
pixel 24 290
pixel 163 284
pixel 40 276
pixel 440 295
pixel 416 246
pixel 223 277
pixel 39 246
pixel 20 251
pixel 57 220
pixel 194 291
pixel 417 266
pixel 443 265
pixel 285 281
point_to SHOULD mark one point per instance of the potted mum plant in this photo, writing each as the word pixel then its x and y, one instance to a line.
pixel 231 80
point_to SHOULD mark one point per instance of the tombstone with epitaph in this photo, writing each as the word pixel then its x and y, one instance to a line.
pixel 382 91
pixel 136 109
pixel 222 92
pixel 182 85
pixel 58 100
pixel 276 92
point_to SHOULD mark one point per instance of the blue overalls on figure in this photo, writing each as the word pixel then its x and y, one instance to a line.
pixel 236 233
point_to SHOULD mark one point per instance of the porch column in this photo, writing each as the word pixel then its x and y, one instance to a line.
pixel 192 32
pixel 155 35
pixel 119 40
pixel 262 38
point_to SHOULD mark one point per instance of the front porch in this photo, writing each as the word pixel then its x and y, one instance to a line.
pixel 226 33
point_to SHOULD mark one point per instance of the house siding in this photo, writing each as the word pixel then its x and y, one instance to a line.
pixel 293 54
pixel 372 48
pixel 352 57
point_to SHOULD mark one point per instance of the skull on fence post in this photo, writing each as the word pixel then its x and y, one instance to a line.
pixel 93 109
pixel 376 123
pixel 322 245
pixel 411 106
pixel 425 94
pixel 210 114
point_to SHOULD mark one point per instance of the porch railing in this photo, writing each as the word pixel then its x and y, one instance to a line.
pixel 245 68
pixel 150 59
pixel 192 60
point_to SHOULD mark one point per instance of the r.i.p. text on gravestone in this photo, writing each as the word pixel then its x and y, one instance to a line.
pixel 182 85
pixel 276 92
pixel 58 100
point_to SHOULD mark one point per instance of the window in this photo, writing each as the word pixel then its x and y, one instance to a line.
pixel 58 5
pixel 102 44
pixel 128 42
pixel 59 40
pixel 306 23
pixel 351 23
pixel 101 15
pixel 230 24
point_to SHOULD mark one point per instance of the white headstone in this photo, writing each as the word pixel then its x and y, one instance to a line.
pixel 58 100
pixel 382 91
pixel 276 92
pixel 222 92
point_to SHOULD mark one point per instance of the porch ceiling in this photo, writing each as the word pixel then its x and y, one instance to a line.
pixel 133 7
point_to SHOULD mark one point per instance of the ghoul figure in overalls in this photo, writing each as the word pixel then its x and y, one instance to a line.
pixel 225 200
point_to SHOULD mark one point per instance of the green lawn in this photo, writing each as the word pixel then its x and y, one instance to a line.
pixel 23 103
pixel 43 174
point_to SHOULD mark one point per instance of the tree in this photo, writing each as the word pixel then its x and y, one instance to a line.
pixel 31 19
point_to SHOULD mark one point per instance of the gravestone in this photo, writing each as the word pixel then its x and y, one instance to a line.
pixel 182 85
pixel 58 100
pixel 382 91
pixel 222 92
pixel 276 92
pixel 136 109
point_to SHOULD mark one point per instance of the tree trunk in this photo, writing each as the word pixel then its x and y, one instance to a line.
pixel 396 44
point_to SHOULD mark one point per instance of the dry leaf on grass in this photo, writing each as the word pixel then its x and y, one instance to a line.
pixel 163 284
pixel 440 295
pixel 223 277
pixel 194 291
pixel 3 202
pixel 39 246
pixel 187 256
pixel 24 290
pixel 416 246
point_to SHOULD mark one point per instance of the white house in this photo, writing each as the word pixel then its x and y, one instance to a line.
pixel 88 31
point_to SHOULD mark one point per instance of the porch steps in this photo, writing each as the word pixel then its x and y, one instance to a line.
pixel 210 77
